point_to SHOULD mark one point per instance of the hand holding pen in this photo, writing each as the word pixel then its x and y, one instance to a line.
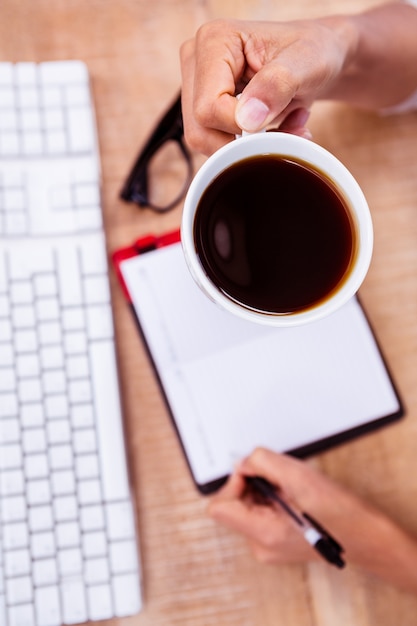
pixel 269 511
pixel 370 539
pixel 312 531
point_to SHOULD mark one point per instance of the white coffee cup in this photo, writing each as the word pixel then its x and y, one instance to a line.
pixel 286 147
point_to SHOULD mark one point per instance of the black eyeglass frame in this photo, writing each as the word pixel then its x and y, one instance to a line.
pixel 169 128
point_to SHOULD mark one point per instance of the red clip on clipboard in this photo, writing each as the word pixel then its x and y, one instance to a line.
pixel 142 245
pixel 231 385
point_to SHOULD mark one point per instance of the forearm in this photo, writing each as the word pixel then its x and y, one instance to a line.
pixel 381 67
pixel 382 548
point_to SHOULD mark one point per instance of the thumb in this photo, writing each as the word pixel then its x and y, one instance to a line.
pixel 264 99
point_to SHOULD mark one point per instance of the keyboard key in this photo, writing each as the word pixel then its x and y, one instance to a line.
pixel 74 604
pixel 38 492
pixel 75 343
pixel 25 341
pixel 6 354
pixel 51 97
pixel 45 572
pixel 93 257
pixel 4 306
pixel 70 562
pixel 23 316
pixel 26 73
pixel 6 73
pixel 21 615
pixel 63 72
pixel 7 96
pixel 33 143
pixel 100 602
pixel 32 414
pixel 29 390
pixel 6 333
pixel 19 590
pixel 27 97
pixel 45 285
pixel 79 391
pixel 36 466
pixel 47 309
pixel 9 141
pixel 92 517
pixel 34 440
pixel 15 535
pixel 71 292
pixel 9 430
pixel 123 557
pixel 17 563
pixel 49 333
pixel 97 571
pixel 10 456
pixel 61 457
pixel 82 415
pixel 120 522
pixel 78 94
pixel 8 120
pixel 89 492
pixel 47 605
pixel 30 118
pixel 54 381
pixel 56 407
pixel 68 535
pixel 73 319
pixel 63 482
pixel 58 432
pixel 84 441
pixel 12 482
pixel 126 589
pixel 99 322
pixel 7 380
pixel 13 509
pixel 94 544
pixel 52 357
pixel 21 292
pixel 56 142
pixel 40 518
pixel 65 508
pixel 86 466
pixel 27 365
pixel 81 138
pixel 42 544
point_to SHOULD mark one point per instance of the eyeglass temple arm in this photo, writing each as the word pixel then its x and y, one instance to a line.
pixel 170 126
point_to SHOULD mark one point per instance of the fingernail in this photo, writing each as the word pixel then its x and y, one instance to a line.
pixel 251 115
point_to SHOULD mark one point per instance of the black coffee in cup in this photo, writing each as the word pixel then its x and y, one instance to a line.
pixel 274 234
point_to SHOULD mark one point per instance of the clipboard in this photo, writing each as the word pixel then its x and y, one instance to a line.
pixel 231 385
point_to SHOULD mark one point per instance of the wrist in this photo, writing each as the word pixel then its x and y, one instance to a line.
pixel 384 549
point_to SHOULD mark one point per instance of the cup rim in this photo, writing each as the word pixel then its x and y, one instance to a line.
pixel 291 146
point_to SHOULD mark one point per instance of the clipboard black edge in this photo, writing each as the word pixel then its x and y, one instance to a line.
pixel 301 452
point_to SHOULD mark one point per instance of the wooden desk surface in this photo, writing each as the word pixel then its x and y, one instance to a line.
pixel 196 573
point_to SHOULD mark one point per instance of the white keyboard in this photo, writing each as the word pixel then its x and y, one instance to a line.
pixel 68 549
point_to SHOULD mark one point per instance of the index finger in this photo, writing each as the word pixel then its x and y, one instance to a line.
pixel 219 66
pixel 199 134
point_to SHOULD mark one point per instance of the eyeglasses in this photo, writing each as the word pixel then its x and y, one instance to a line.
pixel 145 185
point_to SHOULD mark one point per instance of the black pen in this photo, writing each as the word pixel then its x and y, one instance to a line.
pixel 312 531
